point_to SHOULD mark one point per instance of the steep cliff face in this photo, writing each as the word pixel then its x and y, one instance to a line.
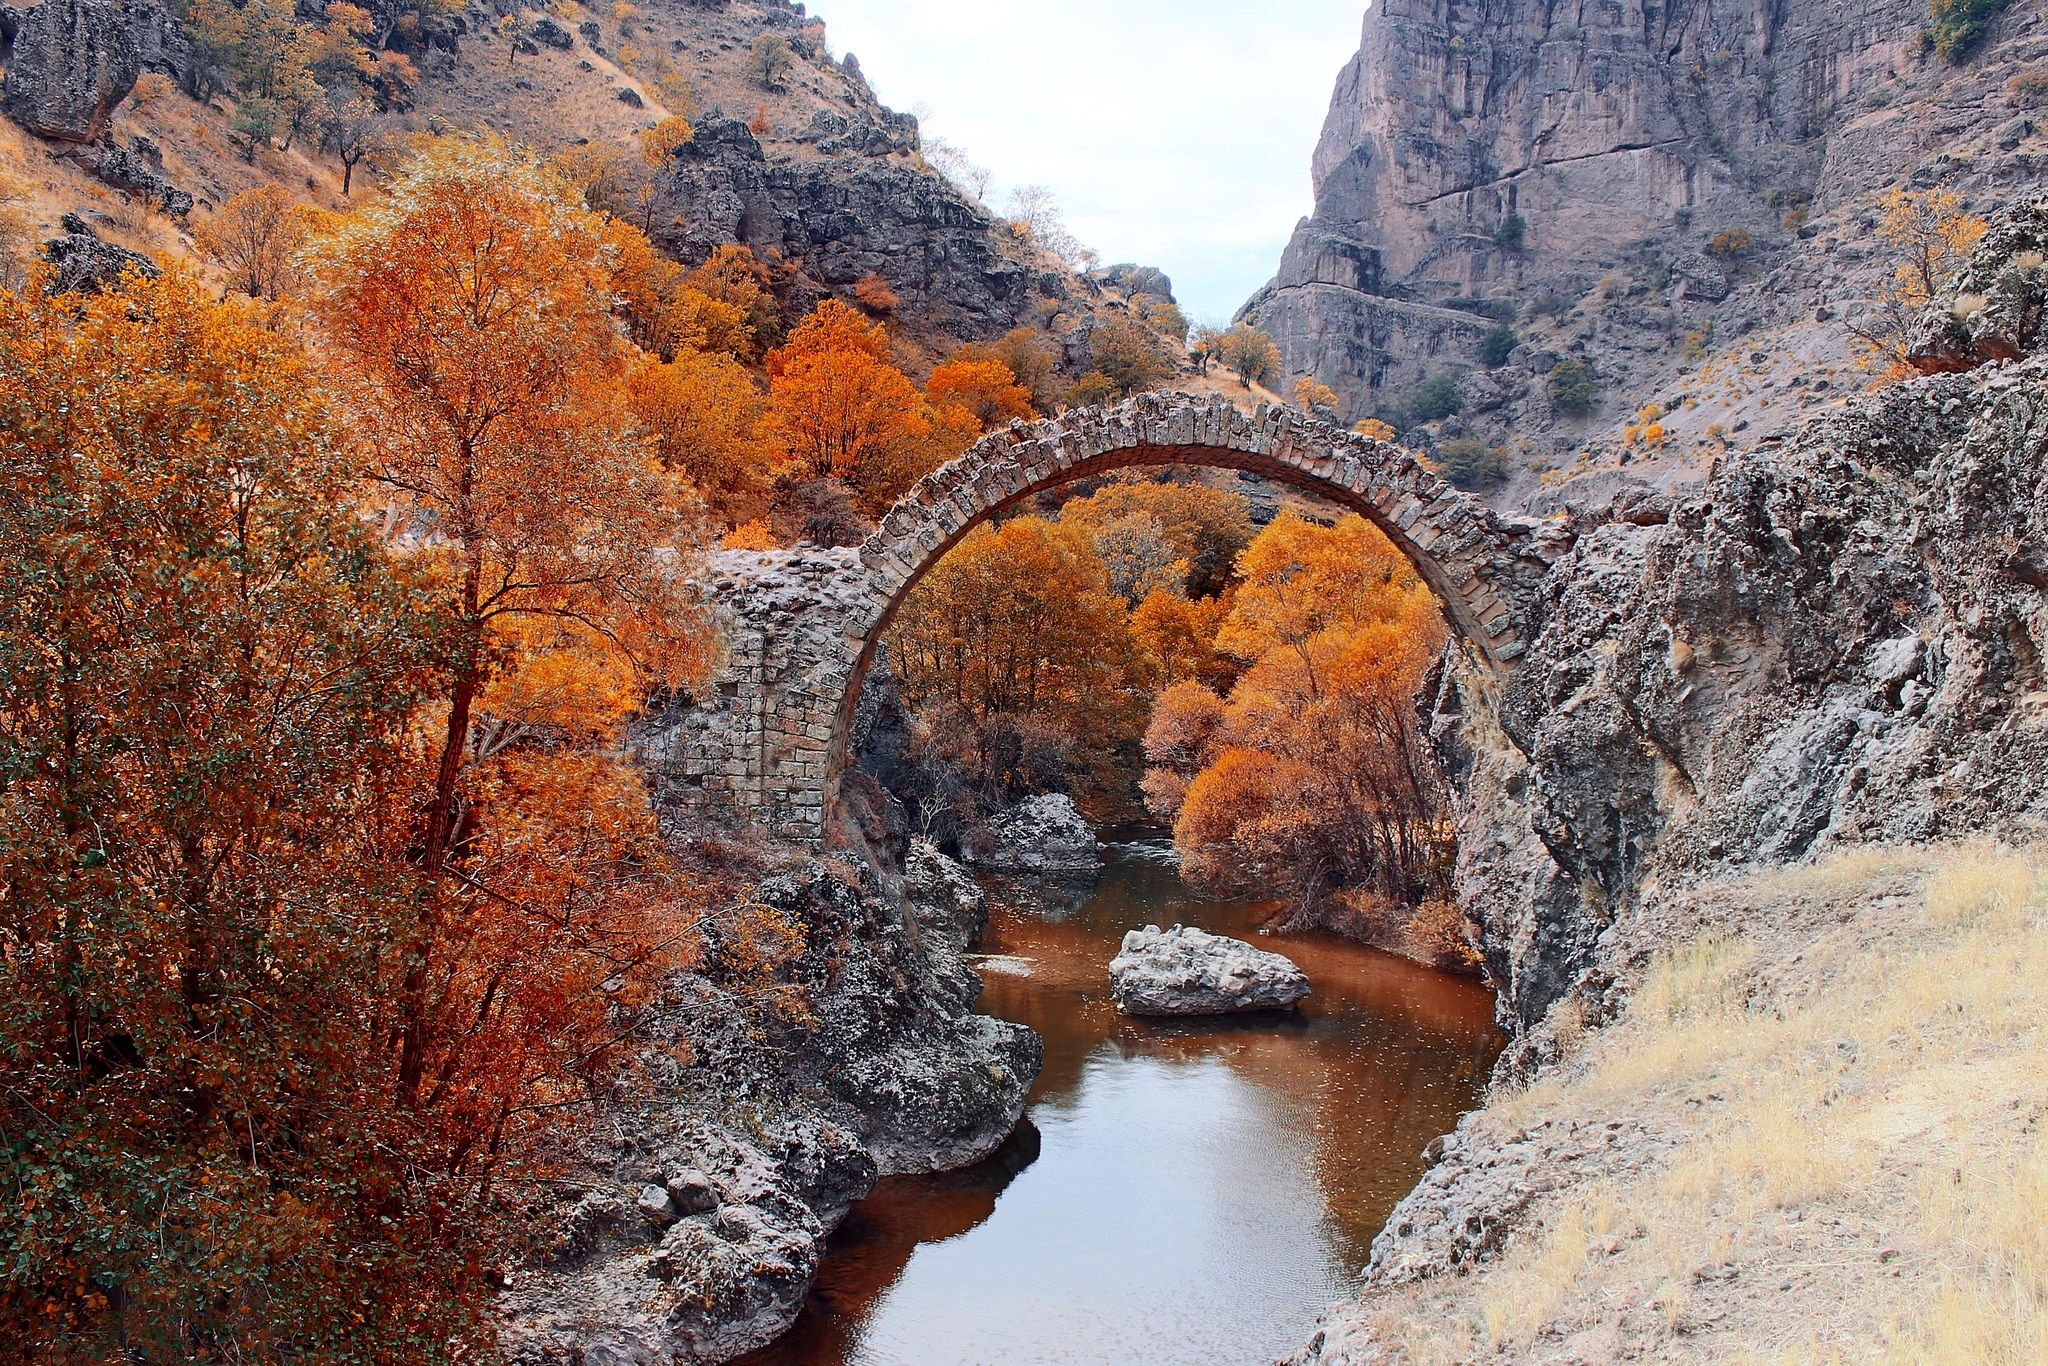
pixel 1500 160
pixel 1839 640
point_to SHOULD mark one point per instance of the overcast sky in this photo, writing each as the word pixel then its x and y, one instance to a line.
pixel 1174 133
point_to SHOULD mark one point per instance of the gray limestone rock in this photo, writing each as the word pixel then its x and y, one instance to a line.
pixel 702 1213
pixel 1185 971
pixel 74 60
pixel 138 169
pixel 86 264
pixel 1043 834
pixel 866 211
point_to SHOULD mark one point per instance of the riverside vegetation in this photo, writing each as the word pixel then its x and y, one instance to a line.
pixel 362 1007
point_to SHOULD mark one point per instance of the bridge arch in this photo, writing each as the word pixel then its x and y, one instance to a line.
pixel 767 748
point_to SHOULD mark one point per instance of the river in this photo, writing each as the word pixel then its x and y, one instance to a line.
pixel 1187 1193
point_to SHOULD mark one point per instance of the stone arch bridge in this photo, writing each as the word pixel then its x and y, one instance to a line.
pixel 766 747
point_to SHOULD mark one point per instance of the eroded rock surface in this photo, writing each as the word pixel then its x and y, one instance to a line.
pixel 1043 834
pixel 1839 642
pixel 88 264
pixel 1584 169
pixel 1185 971
pixel 696 1228
pixel 74 60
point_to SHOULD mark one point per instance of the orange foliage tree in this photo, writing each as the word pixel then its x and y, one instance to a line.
pixel 704 414
pixel 986 388
pixel 470 334
pixel 841 410
pixel 1205 525
pixel 256 238
pixel 1020 661
pixel 1316 775
pixel 208 682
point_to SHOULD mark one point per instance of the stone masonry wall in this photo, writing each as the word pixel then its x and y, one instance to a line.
pixel 764 750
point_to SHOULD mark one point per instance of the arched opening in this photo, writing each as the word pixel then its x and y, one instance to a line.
pixel 767 749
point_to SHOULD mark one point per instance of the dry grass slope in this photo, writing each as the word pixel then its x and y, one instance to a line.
pixel 1861 1171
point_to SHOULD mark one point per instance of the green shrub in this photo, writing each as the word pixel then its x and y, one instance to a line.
pixel 1573 387
pixel 1497 345
pixel 1436 397
pixel 1472 465
pixel 1954 26
pixel 1512 232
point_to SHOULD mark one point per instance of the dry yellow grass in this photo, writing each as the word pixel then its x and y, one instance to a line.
pixel 1861 1171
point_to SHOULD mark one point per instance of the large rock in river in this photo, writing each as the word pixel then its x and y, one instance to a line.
pixel 1185 971
pixel 1040 835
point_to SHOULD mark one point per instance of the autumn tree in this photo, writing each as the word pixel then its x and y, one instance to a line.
pixel 734 276
pixel 1206 526
pixel 986 388
pixel 1020 661
pixel 665 312
pixel 470 332
pixel 209 676
pixel 1249 354
pixel 256 238
pixel 704 413
pixel 1928 236
pixel 1031 356
pixel 660 143
pixel 1312 396
pixel 1128 354
pixel 769 60
pixel 353 130
pixel 841 410
pixel 1316 774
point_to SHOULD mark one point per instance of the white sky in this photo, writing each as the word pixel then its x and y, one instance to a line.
pixel 1174 133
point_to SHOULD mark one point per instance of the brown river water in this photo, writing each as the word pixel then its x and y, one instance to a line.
pixel 1186 1193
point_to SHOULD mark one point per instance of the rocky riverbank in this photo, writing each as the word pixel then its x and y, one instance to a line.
pixel 691 1226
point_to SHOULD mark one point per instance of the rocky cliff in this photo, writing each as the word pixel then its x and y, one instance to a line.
pixel 690 1224
pixel 1838 640
pixel 1568 169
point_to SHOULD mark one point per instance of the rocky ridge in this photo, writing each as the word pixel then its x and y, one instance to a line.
pixel 693 1227
pixel 1570 169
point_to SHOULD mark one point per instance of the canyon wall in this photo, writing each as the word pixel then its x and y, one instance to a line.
pixel 1529 161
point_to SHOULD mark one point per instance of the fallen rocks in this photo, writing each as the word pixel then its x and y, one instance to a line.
pixel 1184 971
pixel 1044 834
pixel 86 264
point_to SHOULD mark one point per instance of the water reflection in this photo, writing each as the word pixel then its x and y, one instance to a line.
pixel 1184 1191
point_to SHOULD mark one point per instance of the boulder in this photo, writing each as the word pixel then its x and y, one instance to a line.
pixel 138 169
pixel 1185 971
pixel 1701 277
pixel 1040 835
pixel 88 265
pixel 548 33
pixel 74 60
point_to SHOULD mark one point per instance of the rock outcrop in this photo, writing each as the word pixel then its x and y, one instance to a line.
pixel 697 1225
pixel 1185 971
pixel 88 264
pixel 1623 176
pixel 1839 640
pixel 1043 834
pixel 861 209
pixel 74 60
